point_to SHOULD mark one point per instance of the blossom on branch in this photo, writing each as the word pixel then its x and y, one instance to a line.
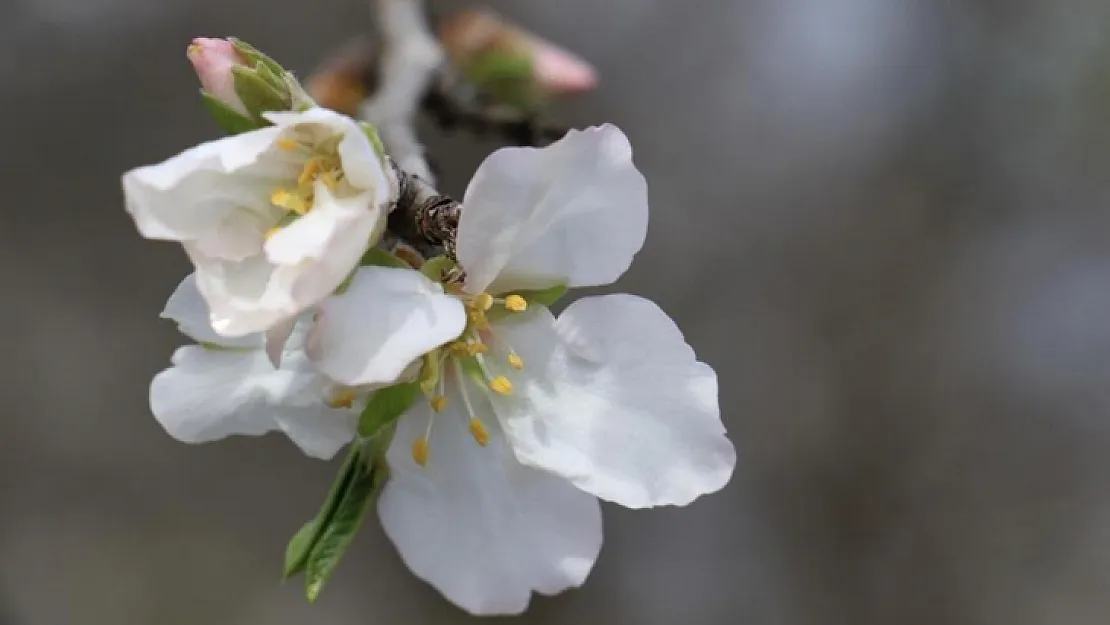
pixel 530 417
pixel 274 219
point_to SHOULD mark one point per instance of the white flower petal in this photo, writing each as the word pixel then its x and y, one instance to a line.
pixel 244 297
pixel 613 399
pixel 210 394
pixel 363 168
pixel 574 212
pixel 275 338
pixel 190 311
pixel 385 319
pixel 201 194
pixel 480 527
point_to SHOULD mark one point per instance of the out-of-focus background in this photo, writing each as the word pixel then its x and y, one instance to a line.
pixel 885 224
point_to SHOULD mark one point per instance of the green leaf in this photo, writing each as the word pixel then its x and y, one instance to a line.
pixel 257 94
pixel 337 535
pixel 301 546
pixel 544 297
pixel 233 122
pixel 377 257
pixel 386 406
pixel 296 553
pixel 435 269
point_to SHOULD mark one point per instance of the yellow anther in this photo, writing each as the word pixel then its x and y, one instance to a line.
pixel 343 398
pixel 460 348
pixel 483 301
pixel 479 432
pixel 516 303
pixel 474 348
pixel 478 319
pixel 439 402
pixel 282 198
pixel 287 144
pixel 313 167
pixel 420 451
pixel 516 362
pixel 501 385
pixel 329 179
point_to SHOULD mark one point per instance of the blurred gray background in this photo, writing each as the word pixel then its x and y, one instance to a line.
pixel 884 222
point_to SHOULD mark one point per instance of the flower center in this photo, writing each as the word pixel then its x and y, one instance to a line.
pixel 321 164
pixel 468 364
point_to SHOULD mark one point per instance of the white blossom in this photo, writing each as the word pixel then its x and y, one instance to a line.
pixel 225 386
pixel 495 478
pixel 273 219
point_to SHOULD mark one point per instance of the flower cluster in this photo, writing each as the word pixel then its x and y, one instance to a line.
pixel 512 422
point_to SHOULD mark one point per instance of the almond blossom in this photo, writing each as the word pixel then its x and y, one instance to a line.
pixel 532 418
pixel 274 219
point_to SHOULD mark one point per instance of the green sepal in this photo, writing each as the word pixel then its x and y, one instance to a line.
pixel 272 78
pixel 377 257
pixel 435 269
pixel 258 96
pixel 507 77
pixel 375 139
pixel 254 57
pixel 430 372
pixel 364 479
pixel 233 122
pixel 544 297
pixel 386 406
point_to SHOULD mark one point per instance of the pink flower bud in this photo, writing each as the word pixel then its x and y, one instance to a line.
pixel 213 59
pixel 555 70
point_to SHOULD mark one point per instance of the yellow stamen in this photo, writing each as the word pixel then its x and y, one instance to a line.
pixel 516 303
pixel 420 451
pixel 282 198
pixel 501 385
pixel 287 144
pixel 479 432
pixel 439 402
pixel 478 319
pixel 343 398
pixel 483 301
pixel 460 348
pixel 473 348
pixel 313 167
pixel 515 361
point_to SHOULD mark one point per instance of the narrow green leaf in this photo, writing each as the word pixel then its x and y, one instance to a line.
pixel 233 122
pixel 340 531
pixel 435 269
pixel 386 406
pixel 300 547
pixel 296 553
pixel 257 95
pixel 378 257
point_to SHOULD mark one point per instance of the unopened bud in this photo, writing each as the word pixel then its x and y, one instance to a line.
pixel 213 60
pixel 240 83
pixel 514 65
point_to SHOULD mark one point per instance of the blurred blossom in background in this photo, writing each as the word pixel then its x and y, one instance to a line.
pixel 885 223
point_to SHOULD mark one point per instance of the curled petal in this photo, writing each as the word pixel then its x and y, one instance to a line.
pixel 385 319
pixel 573 213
